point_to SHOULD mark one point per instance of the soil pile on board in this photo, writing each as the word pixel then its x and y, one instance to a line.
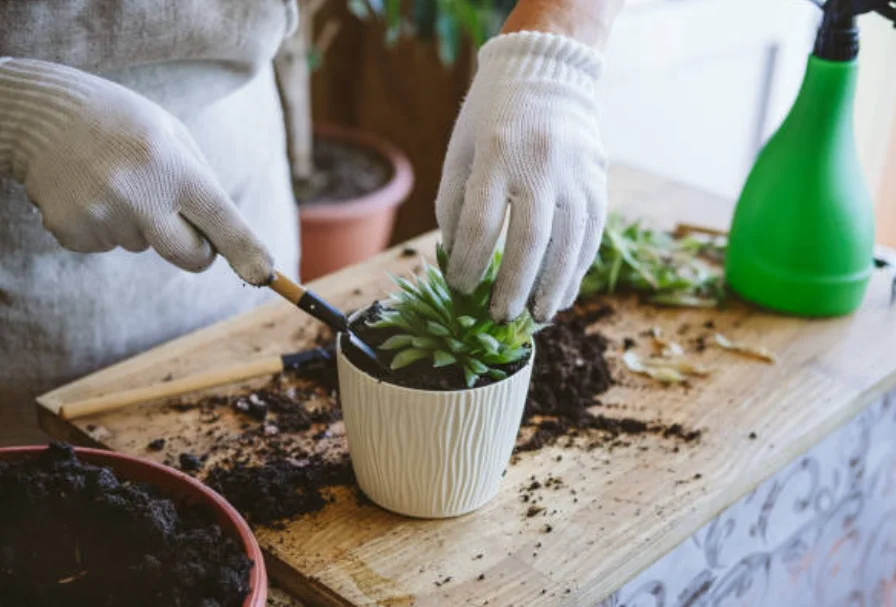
pixel 274 474
pixel 281 487
pixel 570 371
pixel 74 534
pixel 342 171
pixel 421 374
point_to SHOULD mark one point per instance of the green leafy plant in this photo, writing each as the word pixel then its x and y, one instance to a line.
pixel 434 322
pixel 670 271
pixel 449 22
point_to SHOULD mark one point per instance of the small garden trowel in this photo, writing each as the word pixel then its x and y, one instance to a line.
pixel 312 303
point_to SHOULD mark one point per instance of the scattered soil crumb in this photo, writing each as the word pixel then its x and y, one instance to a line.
pixel 533 511
pixel 156 445
pixel 752 436
pixel 189 462
pixel 408 252
pixel 700 343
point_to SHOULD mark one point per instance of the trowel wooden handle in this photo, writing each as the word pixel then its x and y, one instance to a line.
pixel 308 301
pixel 287 289
pixel 177 387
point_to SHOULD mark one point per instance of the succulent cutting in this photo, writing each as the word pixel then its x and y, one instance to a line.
pixel 668 270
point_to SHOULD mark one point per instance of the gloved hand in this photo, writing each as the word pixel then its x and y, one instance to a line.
pixel 107 167
pixel 526 138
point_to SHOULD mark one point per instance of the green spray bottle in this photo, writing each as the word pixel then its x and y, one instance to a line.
pixel 802 237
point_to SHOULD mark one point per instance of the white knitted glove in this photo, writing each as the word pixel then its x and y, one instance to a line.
pixel 107 167
pixel 526 138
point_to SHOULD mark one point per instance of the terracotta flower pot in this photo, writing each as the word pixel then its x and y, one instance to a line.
pixel 341 233
pixel 179 488
pixel 427 453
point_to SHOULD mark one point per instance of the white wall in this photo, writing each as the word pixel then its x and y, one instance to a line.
pixel 876 100
pixel 694 87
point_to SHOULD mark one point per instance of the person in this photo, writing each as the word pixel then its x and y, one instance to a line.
pixel 151 131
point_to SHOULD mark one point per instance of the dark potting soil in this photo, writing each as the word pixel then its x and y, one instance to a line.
pixel 74 534
pixel 291 414
pixel 421 374
pixel 281 487
pixel 342 171
pixel 570 370
pixel 272 475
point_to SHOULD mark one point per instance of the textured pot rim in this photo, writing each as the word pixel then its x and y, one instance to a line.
pixel 392 194
pixel 258 579
pixel 341 355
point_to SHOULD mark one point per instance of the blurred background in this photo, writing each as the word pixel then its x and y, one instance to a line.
pixel 692 88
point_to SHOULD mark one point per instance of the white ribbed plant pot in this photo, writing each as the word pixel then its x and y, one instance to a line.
pixel 430 454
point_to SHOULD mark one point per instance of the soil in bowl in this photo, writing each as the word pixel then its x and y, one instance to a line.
pixel 342 172
pixel 74 534
pixel 420 375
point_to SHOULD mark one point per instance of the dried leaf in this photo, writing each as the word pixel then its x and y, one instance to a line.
pixel 678 364
pixel 635 365
pixel 757 352
pixel 665 347
pixel 683 300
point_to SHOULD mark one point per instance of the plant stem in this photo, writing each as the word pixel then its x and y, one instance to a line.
pixel 294 84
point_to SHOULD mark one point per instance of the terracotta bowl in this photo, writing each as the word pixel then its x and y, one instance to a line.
pixel 338 234
pixel 181 489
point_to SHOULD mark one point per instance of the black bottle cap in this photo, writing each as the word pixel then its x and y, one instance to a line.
pixel 838 36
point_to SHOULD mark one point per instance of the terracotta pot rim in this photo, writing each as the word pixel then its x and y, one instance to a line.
pixel 392 194
pixel 257 576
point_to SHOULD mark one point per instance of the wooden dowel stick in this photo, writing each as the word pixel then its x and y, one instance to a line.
pixel 177 387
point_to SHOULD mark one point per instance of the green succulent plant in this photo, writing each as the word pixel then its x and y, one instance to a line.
pixel 433 321
pixel 670 271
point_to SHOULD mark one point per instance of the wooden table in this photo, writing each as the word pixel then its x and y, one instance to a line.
pixel 618 509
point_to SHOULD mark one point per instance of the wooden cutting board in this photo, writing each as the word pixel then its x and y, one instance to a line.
pixel 614 511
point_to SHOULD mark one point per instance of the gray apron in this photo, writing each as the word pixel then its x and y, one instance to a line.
pixel 209 62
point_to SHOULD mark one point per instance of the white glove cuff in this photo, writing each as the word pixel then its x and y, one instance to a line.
pixel 536 56
pixel 38 99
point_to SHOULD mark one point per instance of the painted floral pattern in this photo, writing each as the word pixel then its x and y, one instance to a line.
pixel 820 533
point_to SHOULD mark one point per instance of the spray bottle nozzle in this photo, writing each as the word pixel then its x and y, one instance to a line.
pixel 838 36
